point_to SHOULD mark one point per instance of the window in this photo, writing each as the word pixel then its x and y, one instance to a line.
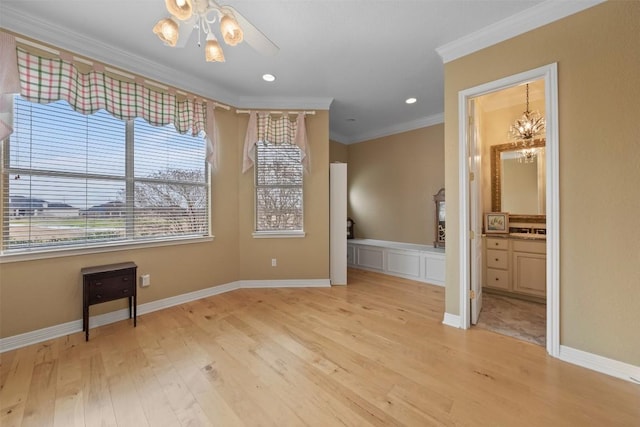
pixel 278 188
pixel 74 180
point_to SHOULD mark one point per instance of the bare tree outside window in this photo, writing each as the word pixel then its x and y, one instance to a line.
pixel 279 198
pixel 173 201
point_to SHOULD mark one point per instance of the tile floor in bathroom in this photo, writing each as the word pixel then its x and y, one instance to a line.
pixel 520 319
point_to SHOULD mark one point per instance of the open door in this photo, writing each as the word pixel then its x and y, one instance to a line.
pixel 472 246
pixel 475 214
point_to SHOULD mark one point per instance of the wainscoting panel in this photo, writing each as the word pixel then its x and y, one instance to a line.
pixel 434 270
pixel 369 257
pixel 422 263
pixel 403 263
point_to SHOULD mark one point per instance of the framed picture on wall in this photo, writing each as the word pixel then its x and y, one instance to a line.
pixel 496 222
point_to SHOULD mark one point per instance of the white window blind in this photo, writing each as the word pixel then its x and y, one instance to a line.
pixel 85 180
pixel 279 198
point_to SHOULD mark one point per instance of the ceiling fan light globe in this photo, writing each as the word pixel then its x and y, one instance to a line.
pixel 231 31
pixel 167 31
pixel 181 9
pixel 212 50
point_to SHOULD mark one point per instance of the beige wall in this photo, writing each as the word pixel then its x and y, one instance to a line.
pixel 392 181
pixel 338 152
pixel 306 258
pixel 598 56
pixel 42 293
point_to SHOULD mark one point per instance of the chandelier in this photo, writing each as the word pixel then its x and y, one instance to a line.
pixel 527 155
pixel 200 14
pixel 525 130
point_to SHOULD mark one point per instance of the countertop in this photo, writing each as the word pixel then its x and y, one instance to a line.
pixel 520 236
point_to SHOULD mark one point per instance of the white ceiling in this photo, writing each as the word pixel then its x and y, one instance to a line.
pixel 362 58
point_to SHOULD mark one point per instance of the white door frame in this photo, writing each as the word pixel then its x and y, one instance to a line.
pixel 550 75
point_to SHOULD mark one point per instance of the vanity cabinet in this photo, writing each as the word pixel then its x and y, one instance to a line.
pixel 497 263
pixel 515 266
pixel 529 261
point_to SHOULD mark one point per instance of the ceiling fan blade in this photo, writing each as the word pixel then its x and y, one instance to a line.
pixel 185 30
pixel 253 36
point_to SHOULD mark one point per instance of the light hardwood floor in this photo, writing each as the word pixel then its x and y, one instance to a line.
pixel 372 353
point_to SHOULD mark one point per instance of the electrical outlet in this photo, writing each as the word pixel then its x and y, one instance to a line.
pixel 274 262
pixel 145 280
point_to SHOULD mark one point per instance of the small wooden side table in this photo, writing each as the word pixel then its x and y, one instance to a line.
pixel 107 283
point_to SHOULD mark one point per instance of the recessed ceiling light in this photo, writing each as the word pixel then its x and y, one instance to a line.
pixel 268 77
pixel 410 100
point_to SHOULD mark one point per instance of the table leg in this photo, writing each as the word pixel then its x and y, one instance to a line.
pixel 85 323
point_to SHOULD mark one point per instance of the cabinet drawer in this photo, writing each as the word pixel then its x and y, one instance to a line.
pixel 497 279
pixel 110 287
pixel 494 243
pixel 497 259
pixel 529 246
pixel 111 280
pixel 109 294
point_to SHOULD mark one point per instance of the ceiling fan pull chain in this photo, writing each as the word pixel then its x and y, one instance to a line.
pixel 198 29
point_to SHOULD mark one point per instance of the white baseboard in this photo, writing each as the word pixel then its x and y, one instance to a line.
pixel 600 364
pixel 184 298
pixel 304 283
pixel 44 334
pixel 451 320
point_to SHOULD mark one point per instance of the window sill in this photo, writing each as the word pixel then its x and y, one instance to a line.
pixel 88 250
pixel 278 234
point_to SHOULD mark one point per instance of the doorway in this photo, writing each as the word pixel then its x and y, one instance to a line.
pixel 511 178
pixel 470 205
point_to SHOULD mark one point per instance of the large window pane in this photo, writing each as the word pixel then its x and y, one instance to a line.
pixel 52 211
pixel 278 188
pixel 279 208
pixel 159 149
pixel 66 178
pixel 171 176
pixel 52 137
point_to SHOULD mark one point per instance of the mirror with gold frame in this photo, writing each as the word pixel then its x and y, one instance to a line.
pixel 523 198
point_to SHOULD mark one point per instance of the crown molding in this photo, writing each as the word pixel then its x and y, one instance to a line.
pixel 424 122
pixel 542 14
pixel 63 38
pixel 338 138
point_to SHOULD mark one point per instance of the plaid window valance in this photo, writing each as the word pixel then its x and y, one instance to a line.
pixel 276 130
pixel 45 80
pixel 263 127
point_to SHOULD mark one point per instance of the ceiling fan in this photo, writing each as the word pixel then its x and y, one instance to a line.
pixel 187 15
